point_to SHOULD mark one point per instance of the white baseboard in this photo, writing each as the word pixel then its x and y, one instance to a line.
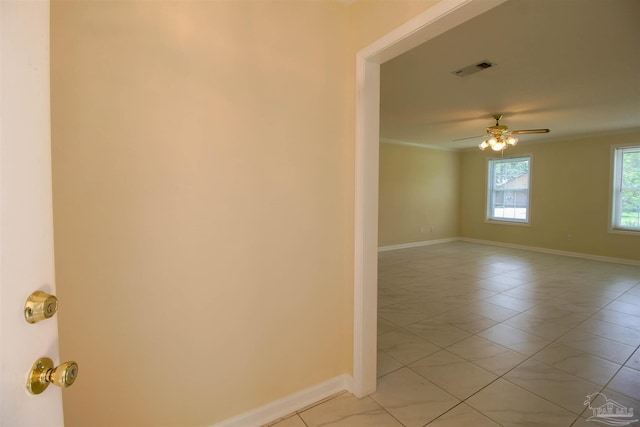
pixel 554 251
pixel 514 246
pixel 416 244
pixel 288 405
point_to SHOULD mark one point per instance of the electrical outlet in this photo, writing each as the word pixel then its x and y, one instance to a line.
pixel 569 236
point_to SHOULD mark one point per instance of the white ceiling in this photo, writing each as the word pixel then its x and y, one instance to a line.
pixel 572 66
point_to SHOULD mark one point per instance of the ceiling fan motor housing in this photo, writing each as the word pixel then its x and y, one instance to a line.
pixel 496 130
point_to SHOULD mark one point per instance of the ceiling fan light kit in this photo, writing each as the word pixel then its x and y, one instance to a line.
pixel 499 137
pixel 497 143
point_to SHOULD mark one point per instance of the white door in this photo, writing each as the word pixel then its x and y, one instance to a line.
pixel 26 228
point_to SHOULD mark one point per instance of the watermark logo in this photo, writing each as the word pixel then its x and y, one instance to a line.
pixel 607 411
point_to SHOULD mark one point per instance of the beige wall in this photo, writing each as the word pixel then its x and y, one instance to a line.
pixel 372 19
pixel 419 192
pixel 200 205
pixel 570 189
pixel 203 201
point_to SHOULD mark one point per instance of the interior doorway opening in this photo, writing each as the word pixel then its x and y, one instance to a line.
pixel 436 20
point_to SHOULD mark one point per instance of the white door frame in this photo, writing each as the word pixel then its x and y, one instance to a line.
pixel 434 21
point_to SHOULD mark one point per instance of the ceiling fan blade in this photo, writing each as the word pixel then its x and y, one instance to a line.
pixel 469 137
pixel 523 131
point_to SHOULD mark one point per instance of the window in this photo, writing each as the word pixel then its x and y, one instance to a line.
pixel 626 189
pixel 508 189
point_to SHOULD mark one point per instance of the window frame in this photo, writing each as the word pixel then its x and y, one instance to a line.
pixel 489 199
pixel 617 151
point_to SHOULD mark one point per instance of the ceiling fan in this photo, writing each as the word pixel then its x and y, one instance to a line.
pixel 499 137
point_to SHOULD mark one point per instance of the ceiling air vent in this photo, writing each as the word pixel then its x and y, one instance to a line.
pixel 470 69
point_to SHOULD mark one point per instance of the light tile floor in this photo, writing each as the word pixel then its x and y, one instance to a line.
pixel 472 334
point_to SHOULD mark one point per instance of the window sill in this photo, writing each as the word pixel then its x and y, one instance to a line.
pixel 624 231
pixel 507 222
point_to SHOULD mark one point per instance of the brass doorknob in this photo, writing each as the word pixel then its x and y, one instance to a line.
pixel 43 373
pixel 40 306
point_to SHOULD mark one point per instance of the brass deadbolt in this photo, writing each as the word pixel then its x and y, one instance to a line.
pixel 43 373
pixel 40 306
